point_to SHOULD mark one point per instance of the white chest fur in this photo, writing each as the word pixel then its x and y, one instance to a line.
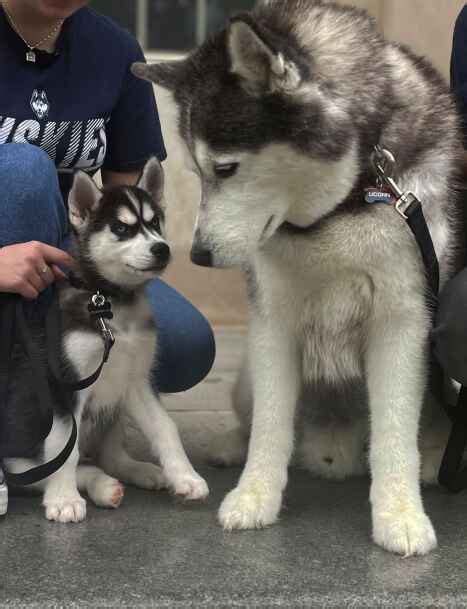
pixel 131 358
pixel 327 287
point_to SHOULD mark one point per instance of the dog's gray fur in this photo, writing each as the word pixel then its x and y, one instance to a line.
pixel 280 113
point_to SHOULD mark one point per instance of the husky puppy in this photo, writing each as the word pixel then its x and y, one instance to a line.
pixel 119 245
pixel 280 113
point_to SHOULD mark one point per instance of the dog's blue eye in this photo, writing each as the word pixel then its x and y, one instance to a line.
pixel 120 229
pixel 226 170
pixel 154 224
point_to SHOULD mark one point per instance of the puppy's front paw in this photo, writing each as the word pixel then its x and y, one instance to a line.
pixel 190 487
pixel 251 506
pixel 408 532
pixel 65 508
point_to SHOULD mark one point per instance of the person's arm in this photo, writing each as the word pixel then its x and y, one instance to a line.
pixel 115 178
pixel 133 132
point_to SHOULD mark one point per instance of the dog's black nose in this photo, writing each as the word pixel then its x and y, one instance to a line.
pixel 201 257
pixel 161 251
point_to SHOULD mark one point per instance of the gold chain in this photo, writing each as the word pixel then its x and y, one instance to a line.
pixel 15 27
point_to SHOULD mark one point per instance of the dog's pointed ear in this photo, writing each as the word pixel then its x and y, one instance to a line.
pixel 152 180
pixel 165 74
pixel 83 199
pixel 260 67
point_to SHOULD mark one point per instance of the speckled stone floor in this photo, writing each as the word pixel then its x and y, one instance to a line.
pixel 155 552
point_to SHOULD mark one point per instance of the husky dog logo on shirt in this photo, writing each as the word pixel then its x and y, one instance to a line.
pixel 40 104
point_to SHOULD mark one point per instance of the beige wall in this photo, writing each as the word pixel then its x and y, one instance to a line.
pixel 425 25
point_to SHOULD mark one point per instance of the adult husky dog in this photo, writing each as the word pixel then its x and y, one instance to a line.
pixel 119 244
pixel 281 112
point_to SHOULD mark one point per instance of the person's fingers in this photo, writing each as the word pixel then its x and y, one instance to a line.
pixel 27 290
pixel 46 273
pixel 58 273
pixel 53 255
pixel 36 280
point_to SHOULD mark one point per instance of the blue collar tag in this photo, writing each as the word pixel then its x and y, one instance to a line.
pixel 379 195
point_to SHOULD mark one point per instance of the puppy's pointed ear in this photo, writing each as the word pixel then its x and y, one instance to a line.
pixel 152 180
pixel 165 74
pixel 260 67
pixel 83 199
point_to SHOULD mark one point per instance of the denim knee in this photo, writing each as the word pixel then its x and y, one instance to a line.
pixel 185 360
pixel 32 206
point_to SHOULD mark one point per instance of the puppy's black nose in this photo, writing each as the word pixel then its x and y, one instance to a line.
pixel 161 251
pixel 200 256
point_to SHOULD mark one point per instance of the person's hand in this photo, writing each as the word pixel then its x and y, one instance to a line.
pixel 29 268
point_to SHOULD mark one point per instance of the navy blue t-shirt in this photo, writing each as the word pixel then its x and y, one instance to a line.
pixel 81 104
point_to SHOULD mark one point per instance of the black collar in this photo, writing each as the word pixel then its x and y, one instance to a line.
pixel 106 288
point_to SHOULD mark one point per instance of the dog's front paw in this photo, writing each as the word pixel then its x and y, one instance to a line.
pixel 190 487
pixel 408 532
pixel 65 508
pixel 250 507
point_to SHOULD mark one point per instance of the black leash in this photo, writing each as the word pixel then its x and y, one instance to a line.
pixel 451 475
pixel 100 309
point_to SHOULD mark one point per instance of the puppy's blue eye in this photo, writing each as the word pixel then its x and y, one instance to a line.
pixel 120 228
pixel 226 170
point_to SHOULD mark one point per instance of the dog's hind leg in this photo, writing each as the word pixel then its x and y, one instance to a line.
pixel 230 448
pixel 115 460
pixel 165 443
pixel 103 490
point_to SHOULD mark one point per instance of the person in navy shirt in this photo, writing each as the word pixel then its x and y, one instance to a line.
pixel 459 67
pixel 69 101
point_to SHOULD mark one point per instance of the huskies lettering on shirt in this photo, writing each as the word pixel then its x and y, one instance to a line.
pixel 70 144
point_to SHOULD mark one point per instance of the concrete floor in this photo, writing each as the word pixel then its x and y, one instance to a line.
pixel 155 552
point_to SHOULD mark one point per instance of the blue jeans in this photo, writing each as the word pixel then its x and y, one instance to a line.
pixel 32 209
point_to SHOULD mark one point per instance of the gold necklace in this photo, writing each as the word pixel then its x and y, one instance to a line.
pixel 30 54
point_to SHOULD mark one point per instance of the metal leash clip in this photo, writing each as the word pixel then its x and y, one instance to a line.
pixel 100 307
pixel 3 495
pixel 384 163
